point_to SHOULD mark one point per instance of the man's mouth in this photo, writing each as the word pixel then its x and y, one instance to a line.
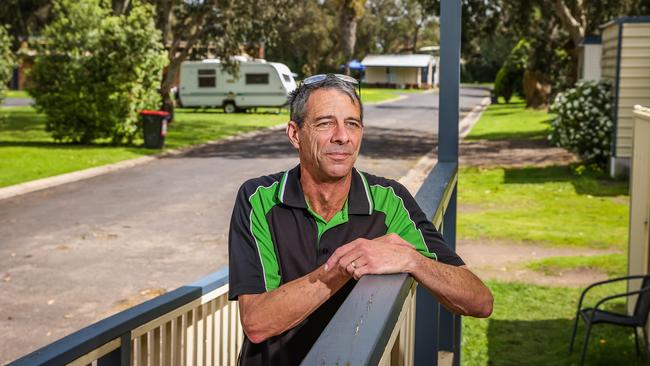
pixel 338 155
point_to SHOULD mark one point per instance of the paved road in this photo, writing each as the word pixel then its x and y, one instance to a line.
pixel 74 254
pixel 17 102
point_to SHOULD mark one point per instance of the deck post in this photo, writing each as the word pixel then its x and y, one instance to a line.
pixel 429 313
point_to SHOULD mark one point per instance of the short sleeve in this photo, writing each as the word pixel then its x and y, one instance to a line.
pixel 419 229
pixel 246 274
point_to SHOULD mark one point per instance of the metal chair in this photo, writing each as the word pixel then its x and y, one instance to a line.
pixel 596 315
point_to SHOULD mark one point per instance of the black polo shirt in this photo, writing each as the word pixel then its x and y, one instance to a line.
pixel 276 238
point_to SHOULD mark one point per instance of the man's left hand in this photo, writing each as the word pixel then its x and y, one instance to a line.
pixel 384 255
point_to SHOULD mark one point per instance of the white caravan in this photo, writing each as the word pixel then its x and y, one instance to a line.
pixel 260 84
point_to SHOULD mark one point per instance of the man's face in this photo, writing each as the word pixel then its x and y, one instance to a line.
pixel 330 138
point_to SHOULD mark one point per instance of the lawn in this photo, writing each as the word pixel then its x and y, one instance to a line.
pixel 531 325
pixel 376 95
pixel 551 205
pixel 27 152
pixel 555 205
pixel 17 94
pixel 512 121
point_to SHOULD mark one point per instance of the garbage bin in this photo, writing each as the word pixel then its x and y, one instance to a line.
pixel 154 128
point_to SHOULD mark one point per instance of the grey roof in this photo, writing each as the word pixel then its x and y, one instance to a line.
pixel 398 60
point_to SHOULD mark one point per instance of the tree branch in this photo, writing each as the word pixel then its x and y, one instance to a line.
pixel 575 28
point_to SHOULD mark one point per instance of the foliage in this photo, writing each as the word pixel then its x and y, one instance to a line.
pixel 584 123
pixel 531 325
pixel 614 265
pixel 27 152
pixel 7 61
pixel 509 79
pixel 95 71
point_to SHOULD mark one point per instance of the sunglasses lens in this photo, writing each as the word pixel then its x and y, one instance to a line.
pixel 314 79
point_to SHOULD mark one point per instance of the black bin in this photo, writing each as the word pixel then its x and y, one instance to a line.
pixel 154 128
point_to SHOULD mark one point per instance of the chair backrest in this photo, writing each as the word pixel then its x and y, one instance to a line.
pixel 642 307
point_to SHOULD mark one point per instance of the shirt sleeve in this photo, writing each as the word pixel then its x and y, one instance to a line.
pixel 417 230
pixel 246 274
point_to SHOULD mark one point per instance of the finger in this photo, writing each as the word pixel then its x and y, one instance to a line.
pixel 338 253
pixel 360 272
pixel 355 264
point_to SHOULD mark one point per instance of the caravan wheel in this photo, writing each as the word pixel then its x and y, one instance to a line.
pixel 229 107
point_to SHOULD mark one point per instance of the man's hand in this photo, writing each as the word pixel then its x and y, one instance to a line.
pixel 457 288
pixel 384 255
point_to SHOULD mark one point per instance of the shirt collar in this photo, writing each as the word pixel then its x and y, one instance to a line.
pixel 359 198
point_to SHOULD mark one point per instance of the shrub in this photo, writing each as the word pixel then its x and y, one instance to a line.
pixel 509 78
pixel 584 124
pixel 95 71
pixel 6 61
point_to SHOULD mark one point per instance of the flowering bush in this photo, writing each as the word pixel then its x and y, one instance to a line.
pixel 584 124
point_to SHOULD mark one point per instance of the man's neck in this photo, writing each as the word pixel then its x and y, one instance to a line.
pixel 326 198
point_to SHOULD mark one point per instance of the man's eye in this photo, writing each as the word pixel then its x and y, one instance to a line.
pixel 324 124
pixel 353 124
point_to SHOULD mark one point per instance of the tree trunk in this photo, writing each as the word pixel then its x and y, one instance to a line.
pixel 348 38
pixel 176 57
pixel 537 89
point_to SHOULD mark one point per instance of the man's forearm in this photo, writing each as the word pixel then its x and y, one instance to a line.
pixel 457 288
pixel 289 304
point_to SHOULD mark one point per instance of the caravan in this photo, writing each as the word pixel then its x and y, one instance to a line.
pixel 260 84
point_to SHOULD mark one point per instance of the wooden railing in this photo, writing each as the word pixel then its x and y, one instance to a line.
pixel 192 325
pixel 375 325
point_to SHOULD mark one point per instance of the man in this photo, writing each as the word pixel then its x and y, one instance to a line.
pixel 300 239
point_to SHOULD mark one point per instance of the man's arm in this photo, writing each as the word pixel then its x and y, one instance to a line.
pixel 457 288
pixel 290 303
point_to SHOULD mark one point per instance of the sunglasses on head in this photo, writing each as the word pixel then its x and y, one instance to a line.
pixel 320 77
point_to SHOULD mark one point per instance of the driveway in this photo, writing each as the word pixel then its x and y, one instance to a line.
pixel 77 253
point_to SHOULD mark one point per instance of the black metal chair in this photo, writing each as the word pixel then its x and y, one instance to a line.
pixel 596 315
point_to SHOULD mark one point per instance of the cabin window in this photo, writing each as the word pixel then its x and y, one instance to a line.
pixel 287 78
pixel 207 78
pixel 257 78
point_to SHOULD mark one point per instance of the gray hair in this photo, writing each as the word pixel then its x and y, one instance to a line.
pixel 299 96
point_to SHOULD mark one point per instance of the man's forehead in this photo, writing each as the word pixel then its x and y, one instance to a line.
pixel 327 99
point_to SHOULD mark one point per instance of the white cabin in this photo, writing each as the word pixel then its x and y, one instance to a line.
pixel 260 84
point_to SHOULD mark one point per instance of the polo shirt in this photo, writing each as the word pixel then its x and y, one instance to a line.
pixel 276 238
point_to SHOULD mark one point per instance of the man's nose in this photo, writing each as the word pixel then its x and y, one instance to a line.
pixel 340 134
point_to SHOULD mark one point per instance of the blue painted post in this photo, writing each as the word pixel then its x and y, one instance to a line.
pixel 448 140
pixel 428 311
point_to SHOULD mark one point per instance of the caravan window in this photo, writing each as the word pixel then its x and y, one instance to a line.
pixel 207 78
pixel 287 78
pixel 257 78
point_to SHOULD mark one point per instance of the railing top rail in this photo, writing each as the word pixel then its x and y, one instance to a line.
pixel 85 340
pixel 361 328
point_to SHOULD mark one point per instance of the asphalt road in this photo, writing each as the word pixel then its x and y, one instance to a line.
pixel 77 253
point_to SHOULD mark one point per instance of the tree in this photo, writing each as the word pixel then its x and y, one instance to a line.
pixel 350 11
pixel 223 27
pixel 24 18
pixel 96 71
pixel 6 61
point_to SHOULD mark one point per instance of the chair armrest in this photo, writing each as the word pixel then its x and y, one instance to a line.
pixel 584 292
pixel 608 298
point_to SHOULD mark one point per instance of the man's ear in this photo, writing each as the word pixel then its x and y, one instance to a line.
pixel 293 133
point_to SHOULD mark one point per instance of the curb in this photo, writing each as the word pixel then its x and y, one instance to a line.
pixel 415 177
pixel 57 180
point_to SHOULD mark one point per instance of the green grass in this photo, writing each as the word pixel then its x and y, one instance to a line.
pixel 550 205
pixel 614 265
pixel 531 325
pixel 17 94
pixel 511 122
pixel 376 95
pixel 27 152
